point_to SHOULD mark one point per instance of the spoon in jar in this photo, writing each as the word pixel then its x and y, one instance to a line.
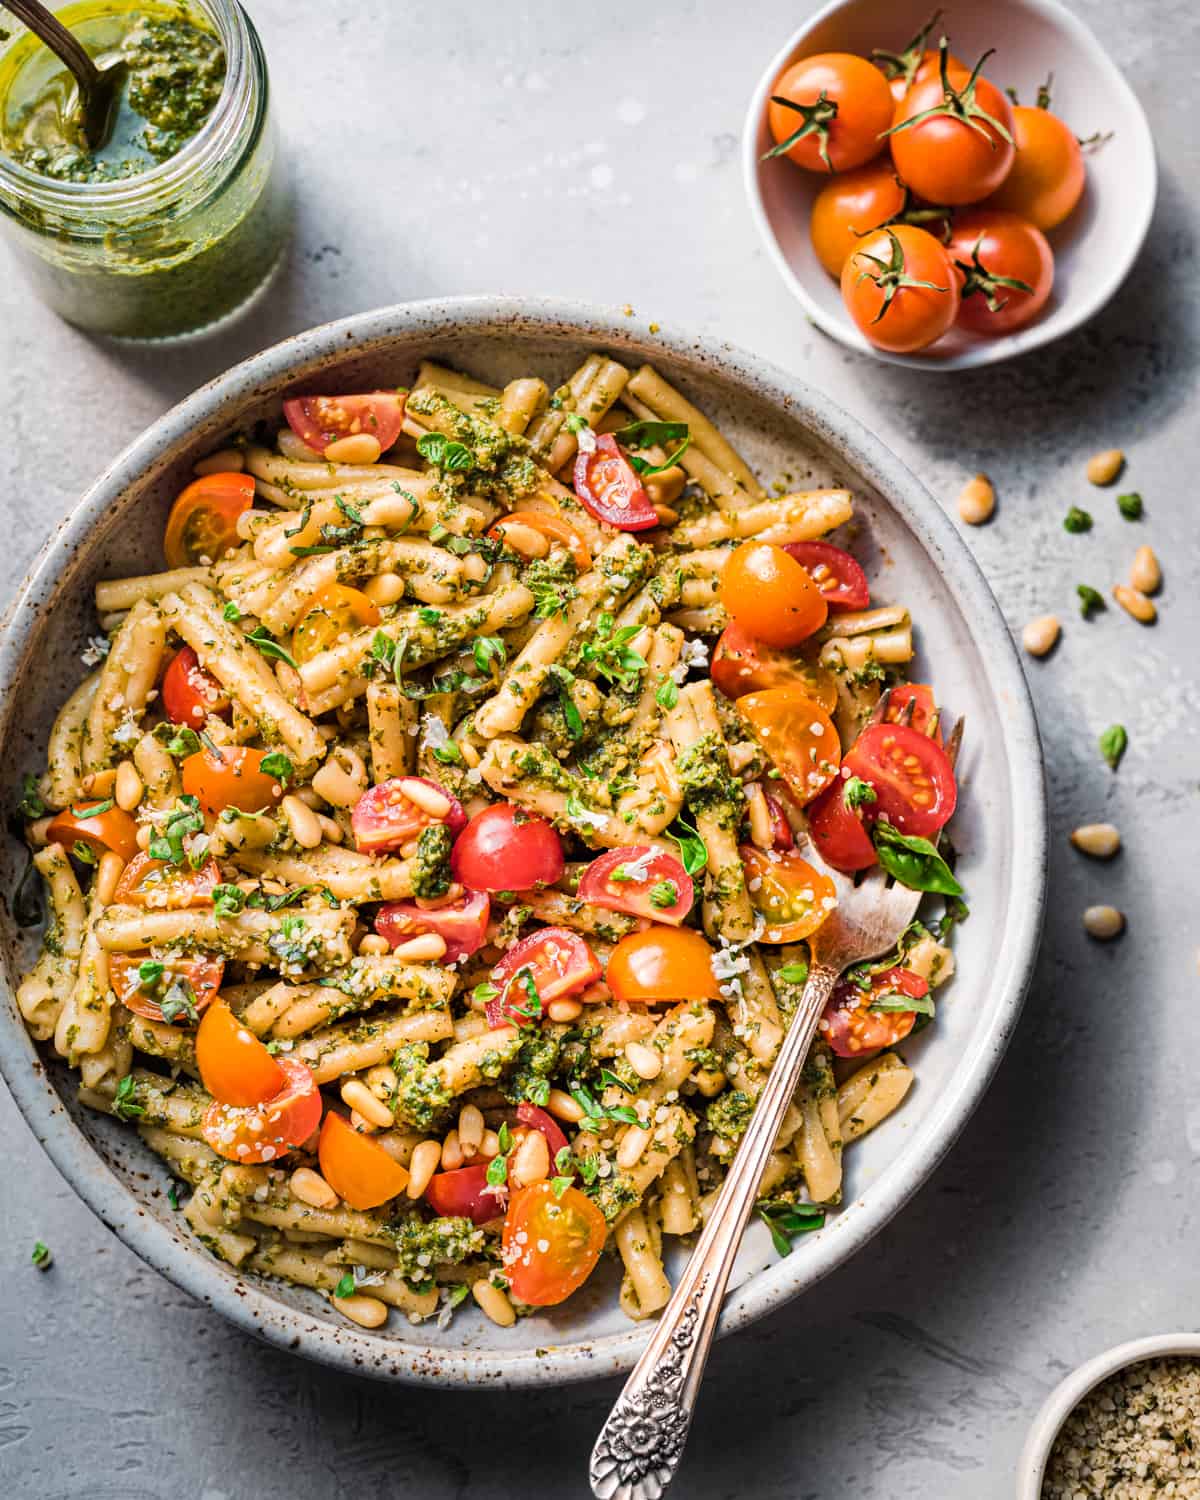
pixel 97 86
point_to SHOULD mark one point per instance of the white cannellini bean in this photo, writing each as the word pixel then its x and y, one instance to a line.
pixel 645 1061
pixel 302 822
pixel 494 1303
pixel 1039 635
pixel 311 1188
pixel 384 588
pixel 127 787
pixel 1100 840
pixel 367 1312
pixel 1103 922
pixel 358 448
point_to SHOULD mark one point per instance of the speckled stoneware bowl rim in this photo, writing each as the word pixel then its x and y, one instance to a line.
pixel 1070 1391
pixel 248 1302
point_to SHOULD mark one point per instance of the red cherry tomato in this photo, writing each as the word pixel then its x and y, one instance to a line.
pixel 900 289
pixel 190 694
pixel 462 923
pixel 781 830
pixel 842 583
pixel 97 823
pixel 555 961
pixel 230 776
pixel 849 206
pixel 838 832
pixel 768 593
pixel 357 1168
pixel 265 1132
pixel 662 963
pixel 551 1244
pixel 503 848
pixel 637 880
pixel 791 896
pixel 234 1066
pixel 202 526
pixel 465 1194
pixel 851 1027
pixel 797 735
pixel 923 716
pixel 989 249
pixel 845 103
pixel 538 1119
pixel 911 774
pixel 959 155
pixel 321 420
pixel 202 973
pixel 165 887
pixel 606 483
pixel 1048 175
pixel 386 817
pixel 742 665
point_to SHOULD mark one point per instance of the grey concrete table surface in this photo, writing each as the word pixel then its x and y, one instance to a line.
pixel 538 147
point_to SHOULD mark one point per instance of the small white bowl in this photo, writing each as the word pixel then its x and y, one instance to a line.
pixel 1065 1397
pixel 1093 250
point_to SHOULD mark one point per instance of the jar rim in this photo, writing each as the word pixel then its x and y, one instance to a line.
pixel 206 148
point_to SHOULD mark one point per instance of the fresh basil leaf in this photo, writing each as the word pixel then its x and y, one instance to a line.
pixel 857 793
pixel 1113 744
pixel 668 694
pixel 610 1081
pixel 261 638
pixel 794 973
pixel 788 1220
pixel 345 1286
pixel 914 861
pixel 31 804
pixel 277 765
pixel 890 1003
pixel 693 852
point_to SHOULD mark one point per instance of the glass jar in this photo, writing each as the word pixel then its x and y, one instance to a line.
pixel 174 249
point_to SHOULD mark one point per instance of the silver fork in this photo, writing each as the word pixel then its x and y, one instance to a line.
pixel 642 1442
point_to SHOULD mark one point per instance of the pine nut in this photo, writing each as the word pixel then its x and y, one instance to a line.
pixel 384 588
pixel 1100 840
pixel 977 501
pixel 470 1129
pixel 645 1061
pixel 127 788
pixel 761 833
pixel 374 943
pixel 665 488
pixel 1135 604
pixel 1145 575
pixel 493 1303
pixel 358 448
pixel 1103 922
pixel 311 1188
pixel 422 948
pixel 633 1144
pixel 357 1096
pixel 667 514
pixel 367 1312
pixel 424 1164
pixel 490 1145
pixel 381 1080
pixel 144 834
pixel 427 798
pixel 225 461
pixel 1103 468
pixel 563 1107
pixel 530 1162
pixel 452 1155
pixel 564 1010
pixel 302 822
pixel 342 780
pixel 1039 635
pixel 525 540
pixel 709 1081
pixel 99 783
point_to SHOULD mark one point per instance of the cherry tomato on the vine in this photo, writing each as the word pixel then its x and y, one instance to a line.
pixel 1006 270
pixel 829 112
pixel 953 138
pixel 1048 174
pixel 901 289
pixel 851 205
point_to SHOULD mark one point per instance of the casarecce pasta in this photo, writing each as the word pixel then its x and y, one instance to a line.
pixel 426 884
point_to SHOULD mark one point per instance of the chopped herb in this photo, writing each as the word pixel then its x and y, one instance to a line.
pixel 445 453
pixel 1130 506
pixel 497 1171
pixel 1077 520
pixel 179 1003
pixel 693 851
pixel 84 853
pixel 183 742
pixel 486 649
pixel 914 861
pixel 231 613
pixel 891 1003
pixel 41 1256
pixel 610 1081
pixel 648 434
pixel 150 972
pixel 484 992
pixel 345 1286
pixel 610 653
pixel 173 1194
pixel 185 819
pixel 269 646
pixel 788 1220
pixel 559 1185
pixel 1089 599
pixel 93 809
pixel 537 1091
pixel 428 615
pixel 261 901
pixel 1113 743
pixel 857 793
pixel 664 894
pixel 573 422
pixel 448 754
pixel 277 765
pixel 31 804
pixel 668 694
pixel 228 900
pixel 956 911
pixel 125 1107
pixel 596 1111
pixel 794 973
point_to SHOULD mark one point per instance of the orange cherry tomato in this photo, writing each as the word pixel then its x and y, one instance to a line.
pixel 165 887
pixel 230 777
pixel 321 420
pixel 1048 174
pixel 554 527
pixel 203 974
pixel 797 736
pixel 742 665
pixel 550 1245
pixel 357 1168
pixel 267 1131
pixel 189 693
pixel 334 613
pixel 964 150
pixel 792 897
pixel 234 1066
pixel 923 716
pixel 999 248
pixel 851 205
pixel 662 963
pixel 901 289
pixel 770 595
pixel 834 109
pixel 97 823
pixel 203 521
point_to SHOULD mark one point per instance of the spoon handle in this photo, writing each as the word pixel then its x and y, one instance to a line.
pixel 45 24
pixel 640 1445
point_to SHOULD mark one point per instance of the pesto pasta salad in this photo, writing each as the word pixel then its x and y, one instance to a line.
pixel 431 851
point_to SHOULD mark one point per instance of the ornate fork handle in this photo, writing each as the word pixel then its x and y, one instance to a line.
pixel 640 1445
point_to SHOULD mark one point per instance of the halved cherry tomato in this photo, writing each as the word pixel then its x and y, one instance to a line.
pixel 900 288
pixel 798 737
pixel 462 923
pixel 842 582
pixel 321 420
pixel 845 103
pixel 504 848
pixel 230 776
pixel 998 247
pixel 742 665
pixel 781 829
pixel 386 817
pixel 769 594
pixel 792 897
pixel 1048 174
pixel 609 488
pixel 912 777
pixel 923 714
pixel 99 823
pixel 165 887
pixel 537 1119
pixel 662 963
pixel 357 1168
pixel 190 694
pixel 638 880
pixel 334 613
pixel 851 1027
pixel 234 1066
pixel 551 1244
pixel 202 525
pixel 465 1193
pixel 949 153
pixel 838 831
pixel 554 527
pixel 266 1131
pixel 851 205
pixel 555 960
pixel 203 974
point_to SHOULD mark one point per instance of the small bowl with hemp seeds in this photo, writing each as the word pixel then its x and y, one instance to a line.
pixel 1125 1426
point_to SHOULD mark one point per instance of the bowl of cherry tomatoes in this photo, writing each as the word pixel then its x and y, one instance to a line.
pixel 948 188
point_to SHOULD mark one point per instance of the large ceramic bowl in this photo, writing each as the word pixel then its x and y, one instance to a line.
pixel 912 552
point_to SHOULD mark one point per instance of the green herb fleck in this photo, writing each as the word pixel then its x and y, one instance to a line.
pixel 1077 520
pixel 1113 743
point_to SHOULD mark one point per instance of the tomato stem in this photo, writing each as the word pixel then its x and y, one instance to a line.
pixel 891 275
pixel 904 64
pixel 815 120
pixel 980 279
pixel 958 104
